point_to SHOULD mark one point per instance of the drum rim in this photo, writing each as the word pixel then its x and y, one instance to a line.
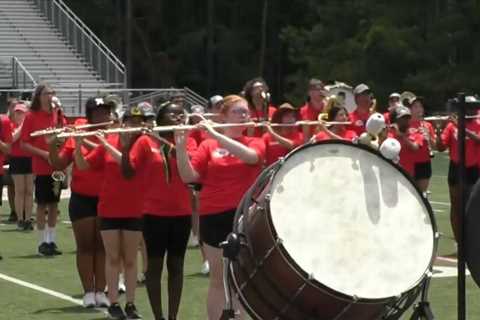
pixel 299 270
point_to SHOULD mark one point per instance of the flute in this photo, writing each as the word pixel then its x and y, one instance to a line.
pixel 57 131
pixel 195 127
pixel 447 118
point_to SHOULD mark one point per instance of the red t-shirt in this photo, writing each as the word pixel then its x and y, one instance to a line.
pixel 422 155
pixel 224 177
pixel 274 150
pixel 345 134
pixel 84 182
pixel 16 151
pixel 449 139
pixel 407 155
pixel 161 197
pixel 308 113
pixel 119 197
pixel 39 120
pixel 5 136
pixel 359 120
pixel 198 136
pixel 256 115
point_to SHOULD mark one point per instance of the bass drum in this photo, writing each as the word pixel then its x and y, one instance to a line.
pixel 333 231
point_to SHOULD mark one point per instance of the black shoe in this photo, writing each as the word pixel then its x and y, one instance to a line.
pixel 54 249
pixel 27 225
pixel 116 312
pixel 44 249
pixel 131 311
pixel 20 225
pixel 13 217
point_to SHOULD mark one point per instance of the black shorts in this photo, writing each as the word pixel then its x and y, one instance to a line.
pixel 472 174
pixel 214 228
pixel 423 170
pixel 81 206
pixel 44 190
pixel 20 165
pixel 130 224
pixel 166 234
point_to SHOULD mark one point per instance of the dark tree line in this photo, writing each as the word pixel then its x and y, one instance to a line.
pixel 430 47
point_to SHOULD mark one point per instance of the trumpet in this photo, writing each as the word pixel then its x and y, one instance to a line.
pixel 56 131
pixel 173 128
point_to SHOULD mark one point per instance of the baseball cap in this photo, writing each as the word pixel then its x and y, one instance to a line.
pixel 394 95
pixel 147 109
pixel 20 107
pixel 216 99
pixel 361 89
pixel 96 102
pixel 402 111
pixel 134 111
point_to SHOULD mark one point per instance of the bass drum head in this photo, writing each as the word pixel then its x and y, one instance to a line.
pixel 472 236
pixel 352 220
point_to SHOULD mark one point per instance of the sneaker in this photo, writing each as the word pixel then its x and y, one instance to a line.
pixel 116 312
pixel 13 217
pixel 131 311
pixel 28 225
pixel 89 300
pixel 20 225
pixel 141 278
pixel 54 249
pixel 205 268
pixel 121 284
pixel 44 249
pixel 102 300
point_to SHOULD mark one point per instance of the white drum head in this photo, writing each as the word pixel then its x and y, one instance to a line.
pixel 352 220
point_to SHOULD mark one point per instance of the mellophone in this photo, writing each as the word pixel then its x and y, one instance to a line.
pixel 78 131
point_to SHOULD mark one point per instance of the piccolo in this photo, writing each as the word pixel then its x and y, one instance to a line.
pixel 195 127
pixel 56 131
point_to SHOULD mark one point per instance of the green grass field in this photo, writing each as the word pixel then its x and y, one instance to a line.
pixel 59 273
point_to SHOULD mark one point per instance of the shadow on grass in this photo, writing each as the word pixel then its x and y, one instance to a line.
pixel 69 309
pixel 197 275
pixel 31 256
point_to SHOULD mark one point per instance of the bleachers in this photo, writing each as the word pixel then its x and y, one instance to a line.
pixel 26 34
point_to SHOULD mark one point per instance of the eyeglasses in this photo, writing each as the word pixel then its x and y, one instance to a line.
pixel 239 111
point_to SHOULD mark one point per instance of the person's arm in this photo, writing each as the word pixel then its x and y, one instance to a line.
pixel 16 134
pixel 114 152
pixel 128 171
pixel 55 159
pixel 244 153
pixel 472 135
pixel 284 142
pixel 329 133
pixel 441 137
pixel 78 157
pixel 404 137
pixel 185 168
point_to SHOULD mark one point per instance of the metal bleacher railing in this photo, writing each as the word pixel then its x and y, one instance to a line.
pixel 152 95
pixel 82 39
pixel 15 75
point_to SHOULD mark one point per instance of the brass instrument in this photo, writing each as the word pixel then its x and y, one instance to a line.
pixel 58 178
pixel 344 94
pixel 406 98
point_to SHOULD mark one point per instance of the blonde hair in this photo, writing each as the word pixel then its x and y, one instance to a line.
pixel 229 101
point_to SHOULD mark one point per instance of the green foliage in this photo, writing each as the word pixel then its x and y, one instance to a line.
pixel 429 47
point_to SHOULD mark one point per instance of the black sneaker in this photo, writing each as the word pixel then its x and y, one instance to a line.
pixel 20 225
pixel 28 226
pixel 116 312
pixel 13 217
pixel 44 249
pixel 54 249
pixel 131 311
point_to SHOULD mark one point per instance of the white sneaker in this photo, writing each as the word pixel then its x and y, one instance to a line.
pixel 205 268
pixel 102 300
pixel 89 300
pixel 193 241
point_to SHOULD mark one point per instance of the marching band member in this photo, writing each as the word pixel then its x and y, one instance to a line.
pixel 393 102
pixel 279 142
pixel 338 131
pixel 316 100
pixel 410 142
pixel 21 170
pixel 447 139
pixel 258 98
pixel 166 208
pixel 120 208
pixel 44 113
pixel 226 165
pixel 423 157
pixel 82 208
pixel 364 101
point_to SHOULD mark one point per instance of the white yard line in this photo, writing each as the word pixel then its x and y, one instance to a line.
pixel 52 293
pixel 447 204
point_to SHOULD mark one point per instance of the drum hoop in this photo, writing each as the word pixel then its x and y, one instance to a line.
pixel 315 282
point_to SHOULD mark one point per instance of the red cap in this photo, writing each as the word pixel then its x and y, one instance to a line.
pixel 20 107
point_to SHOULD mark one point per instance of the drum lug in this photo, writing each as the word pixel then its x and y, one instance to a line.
pixel 281 160
pixel 437 235
pixel 268 196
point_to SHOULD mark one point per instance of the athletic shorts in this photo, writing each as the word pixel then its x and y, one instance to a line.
pixel 214 228
pixel 166 234
pixel 129 224
pixel 472 174
pixel 20 165
pixel 81 206
pixel 423 170
pixel 44 190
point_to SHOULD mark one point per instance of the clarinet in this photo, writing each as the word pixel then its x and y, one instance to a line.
pixel 426 134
